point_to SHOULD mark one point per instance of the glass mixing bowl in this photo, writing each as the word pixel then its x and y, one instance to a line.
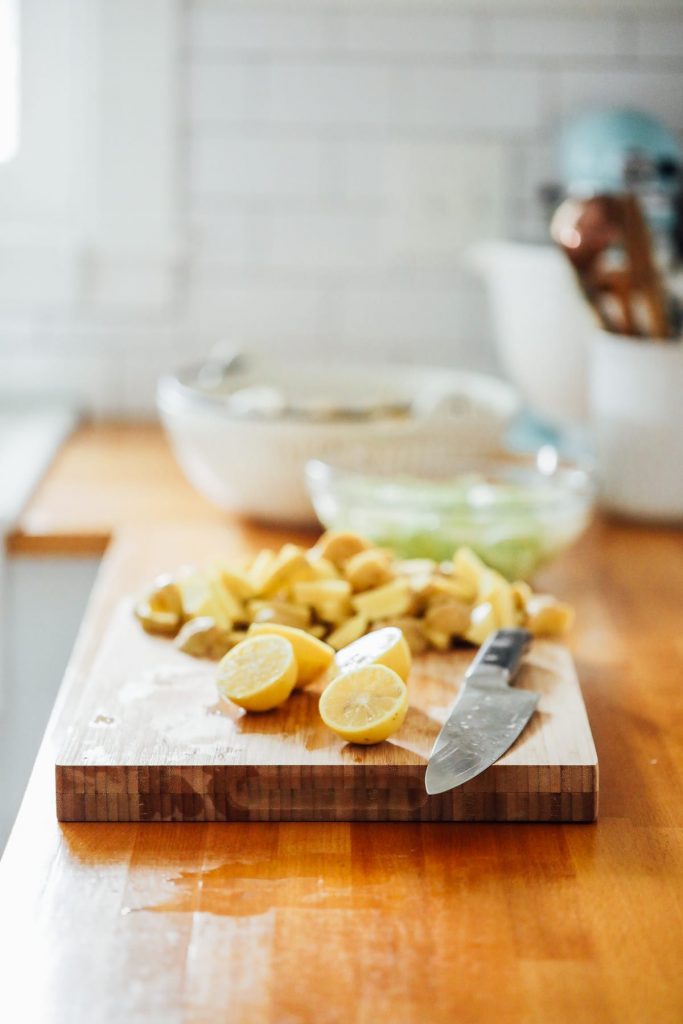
pixel 516 511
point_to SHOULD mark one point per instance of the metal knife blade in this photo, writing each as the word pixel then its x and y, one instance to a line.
pixel 487 716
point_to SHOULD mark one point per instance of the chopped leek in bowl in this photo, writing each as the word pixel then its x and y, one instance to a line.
pixel 516 511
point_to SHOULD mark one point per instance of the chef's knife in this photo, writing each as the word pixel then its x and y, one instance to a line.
pixel 487 716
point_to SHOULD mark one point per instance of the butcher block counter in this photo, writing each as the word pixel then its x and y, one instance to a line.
pixel 413 922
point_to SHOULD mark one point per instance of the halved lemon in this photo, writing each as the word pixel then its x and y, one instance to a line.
pixel 259 673
pixel 365 705
pixel 385 646
pixel 312 656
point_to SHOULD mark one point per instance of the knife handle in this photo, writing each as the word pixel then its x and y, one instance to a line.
pixel 504 649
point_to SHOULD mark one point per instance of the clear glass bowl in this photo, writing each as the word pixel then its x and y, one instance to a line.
pixel 516 511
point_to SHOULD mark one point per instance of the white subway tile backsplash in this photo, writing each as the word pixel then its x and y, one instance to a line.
pixel 326 241
pixel 660 37
pixel 249 167
pixel 536 168
pixel 484 100
pixel 548 36
pixel 259 312
pixel 408 33
pixel 140 372
pixel 397 170
pixel 442 194
pixel 334 162
pixel 656 92
pixel 422 320
pixel 331 95
pixel 216 27
pixel 220 93
pixel 404 205
pixel 52 266
pixel 92 380
pixel 226 237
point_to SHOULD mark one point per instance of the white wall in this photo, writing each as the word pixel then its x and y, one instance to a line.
pixel 329 163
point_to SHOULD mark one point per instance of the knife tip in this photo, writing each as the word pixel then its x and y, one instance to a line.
pixel 432 784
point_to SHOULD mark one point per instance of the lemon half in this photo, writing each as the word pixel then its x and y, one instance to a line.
pixel 385 646
pixel 259 673
pixel 312 656
pixel 365 705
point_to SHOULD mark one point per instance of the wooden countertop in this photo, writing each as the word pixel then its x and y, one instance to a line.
pixel 398 923
pixel 108 476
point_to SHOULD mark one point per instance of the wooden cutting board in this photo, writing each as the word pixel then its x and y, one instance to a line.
pixel 152 742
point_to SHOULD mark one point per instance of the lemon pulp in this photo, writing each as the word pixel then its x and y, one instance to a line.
pixel 259 673
pixel 365 705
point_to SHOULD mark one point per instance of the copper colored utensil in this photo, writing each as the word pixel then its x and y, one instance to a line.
pixel 608 243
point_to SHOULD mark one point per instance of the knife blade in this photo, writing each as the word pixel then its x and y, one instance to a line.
pixel 487 716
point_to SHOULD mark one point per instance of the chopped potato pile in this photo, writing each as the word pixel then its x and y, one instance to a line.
pixel 339 590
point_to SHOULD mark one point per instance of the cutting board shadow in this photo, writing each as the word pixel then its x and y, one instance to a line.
pixel 152 741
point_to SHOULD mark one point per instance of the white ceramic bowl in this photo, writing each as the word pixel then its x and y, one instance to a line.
pixel 247 455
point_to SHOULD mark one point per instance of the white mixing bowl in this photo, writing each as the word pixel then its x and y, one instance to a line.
pixel 244 432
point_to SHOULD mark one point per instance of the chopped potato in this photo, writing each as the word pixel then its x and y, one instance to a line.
pixel 490 582
pixel 200 599
pixel 328 598
pixel 545 616
pixel 445 615
pixel 468 569
pixel 284 612
pixel 368 569
pixel 389 600
pixel 341 589
pixel 289 565
pixel 165 596
pixel 152 620
pixel 260 569
pixel 412 629
pixel 313 591
pixel 521 592
pixel 348 631
pixel 203 638
pixel 237 582
pixel 415 567
pixel 232 606
pixel 437 638
pixel 161 609
pixel 334 611
pixel 504 607
pixel 440 586
pixel 338 546
pixel 483 622
pixel 322 568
